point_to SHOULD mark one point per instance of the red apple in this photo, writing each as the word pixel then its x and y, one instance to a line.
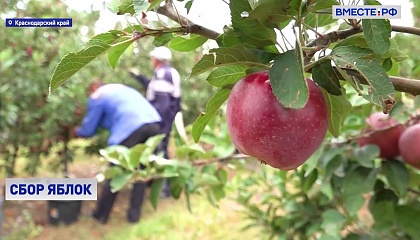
pixel 261 127
pixel 384 132
pixel 29 51
pixel 409 145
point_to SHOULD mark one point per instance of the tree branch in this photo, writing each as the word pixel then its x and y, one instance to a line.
pixel 169 11
pixel 400 84
pixel 215 160
pixel 403 29
pixel 326 39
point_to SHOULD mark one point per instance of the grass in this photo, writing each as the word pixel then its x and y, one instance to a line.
pixel 175 222
pixel 171 220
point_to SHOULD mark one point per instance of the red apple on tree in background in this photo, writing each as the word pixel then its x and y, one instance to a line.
pixel 409 145
pixel 384 132
pixel 261 127
pixel 29 51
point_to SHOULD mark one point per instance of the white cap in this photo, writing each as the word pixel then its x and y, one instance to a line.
pixel 161 53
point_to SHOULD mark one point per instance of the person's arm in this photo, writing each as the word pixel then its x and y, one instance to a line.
pixel 91 120
pixel 142 79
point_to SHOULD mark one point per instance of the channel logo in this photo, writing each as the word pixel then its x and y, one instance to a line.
pixel 366 11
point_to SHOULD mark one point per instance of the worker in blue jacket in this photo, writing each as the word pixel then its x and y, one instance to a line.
pixel 164 92
pixel 131 120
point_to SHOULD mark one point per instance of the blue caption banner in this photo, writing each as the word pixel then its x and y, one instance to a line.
pixel 39 22
pixel 63 189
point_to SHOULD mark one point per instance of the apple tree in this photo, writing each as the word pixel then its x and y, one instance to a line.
pixel 322 109
pixel 35 127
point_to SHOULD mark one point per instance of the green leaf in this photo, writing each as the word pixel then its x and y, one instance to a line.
pixel 222 176
pixel 312 161
pixel 218 192
pixel 338 108
pixel 175 186
pixel 163 39
pixel 324 74
pixel 355 236
pixel 387 64
pixel 395 69
pixel 349 54
pixel 310 180
pixel 113 171
pixel 327 190
pixel 73 62
pixel 356 183
pixel 397 175
pixel 154 141
pixel 371 2
pixel 386 195
pixel 315 5
pixel 188 201
pixel 366 155
pixel 394 52
pixel 358 40
pixel 206 179
pixel 383 213
pixel 328 155
pixel 188 5
pixel 327 237
pixel 266 56
pixel 154 3
pixel 407 219
pixel 135 155
pixel 219 57
pixel 212 107
pixel 229 38
pixel 141 6
pixel 288 80
pixel 332 222
pixel 119 181
pixel 155 190
pixel 113 6
pixel 226 75
pixel 115 52
pixel 117 155
pixel 417 101
pixel 377 33
pixel 250 30
pixel 380 89
pixel 273 11
pixel 187 44
pixel 151 144
pixel 319 20
pixel 125 6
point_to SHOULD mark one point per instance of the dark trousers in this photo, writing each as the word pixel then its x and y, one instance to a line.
pixel 107 198
pixel 166 128
pixel 163 148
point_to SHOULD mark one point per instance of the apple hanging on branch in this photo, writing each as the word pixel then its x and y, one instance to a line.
pixel 408 145
pixel 261 127
pixel 383 131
